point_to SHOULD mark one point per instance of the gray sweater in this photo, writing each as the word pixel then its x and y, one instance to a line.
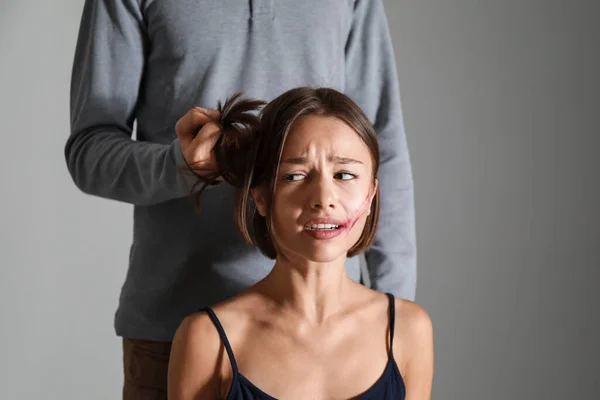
pixel 149 61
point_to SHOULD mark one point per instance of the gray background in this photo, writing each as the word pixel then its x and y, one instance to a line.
pixel 501 104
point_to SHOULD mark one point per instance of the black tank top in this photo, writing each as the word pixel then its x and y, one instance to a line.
pixel 390 386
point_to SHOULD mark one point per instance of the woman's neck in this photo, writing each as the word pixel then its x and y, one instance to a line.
pixel 313 290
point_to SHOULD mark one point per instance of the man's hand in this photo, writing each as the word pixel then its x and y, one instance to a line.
pixel 197 148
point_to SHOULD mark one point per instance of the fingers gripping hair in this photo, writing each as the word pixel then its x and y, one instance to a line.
pixel 239 124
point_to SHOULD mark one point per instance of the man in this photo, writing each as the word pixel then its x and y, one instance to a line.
pixel 151 61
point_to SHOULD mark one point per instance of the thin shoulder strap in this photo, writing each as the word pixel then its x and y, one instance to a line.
pixel 392 319
pixel 223 336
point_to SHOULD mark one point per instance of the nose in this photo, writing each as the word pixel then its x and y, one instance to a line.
pixel 323 194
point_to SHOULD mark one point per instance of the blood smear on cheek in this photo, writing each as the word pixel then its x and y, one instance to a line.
pixel 352 219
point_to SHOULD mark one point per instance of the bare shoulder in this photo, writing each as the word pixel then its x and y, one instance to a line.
pixel 413 320
pixel 410 317
pixel 235 313
pixel 197 332
pixel 195 362
pixel 199 367
pixel 414 349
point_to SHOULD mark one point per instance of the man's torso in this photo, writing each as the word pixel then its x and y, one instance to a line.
pixel 199 52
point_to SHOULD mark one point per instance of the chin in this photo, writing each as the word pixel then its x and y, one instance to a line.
pixel 324 259
pixel 326 251
pixel 323 255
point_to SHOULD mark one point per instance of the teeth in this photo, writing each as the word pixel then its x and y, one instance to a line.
pixel 322 226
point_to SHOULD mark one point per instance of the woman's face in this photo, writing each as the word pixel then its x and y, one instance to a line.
pixel 323 192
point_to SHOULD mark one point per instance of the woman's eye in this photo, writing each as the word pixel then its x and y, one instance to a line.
pixel 345 176
pixel 293 177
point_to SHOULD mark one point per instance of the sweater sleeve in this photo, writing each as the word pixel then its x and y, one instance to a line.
pixel 371 81
pixel 101 155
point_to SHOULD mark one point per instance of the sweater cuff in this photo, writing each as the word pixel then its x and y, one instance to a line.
pixel 187 178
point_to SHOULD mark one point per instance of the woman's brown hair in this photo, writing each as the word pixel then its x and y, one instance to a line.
pixel 248 153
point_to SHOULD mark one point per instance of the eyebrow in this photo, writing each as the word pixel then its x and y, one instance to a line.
pixel 335 159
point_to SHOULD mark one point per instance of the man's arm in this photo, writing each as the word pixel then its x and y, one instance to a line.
pixel 372 82
pixel 101 156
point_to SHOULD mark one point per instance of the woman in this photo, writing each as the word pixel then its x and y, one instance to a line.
pixel 308 198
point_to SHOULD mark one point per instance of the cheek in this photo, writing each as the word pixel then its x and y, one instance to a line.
pixel 286 209
pixel 355 199
pixel 291 196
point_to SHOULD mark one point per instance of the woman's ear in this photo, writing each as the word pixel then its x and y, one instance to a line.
pixel 372 195
pixel 258 195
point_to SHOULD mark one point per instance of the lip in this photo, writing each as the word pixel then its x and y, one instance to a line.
pixel 329 234
pixel 325 220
